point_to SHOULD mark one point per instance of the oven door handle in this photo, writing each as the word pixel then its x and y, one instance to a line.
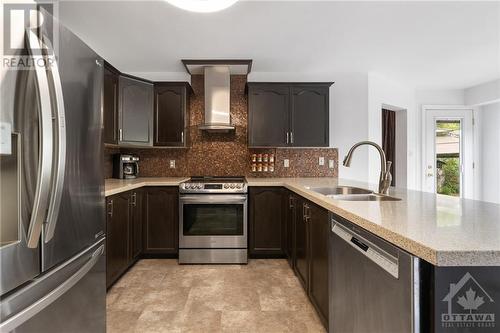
pixel 211 199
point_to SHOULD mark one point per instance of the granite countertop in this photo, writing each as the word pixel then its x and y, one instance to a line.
pixel 442 230
pixel 114 186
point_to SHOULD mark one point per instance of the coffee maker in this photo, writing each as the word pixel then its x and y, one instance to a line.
pixel 125 166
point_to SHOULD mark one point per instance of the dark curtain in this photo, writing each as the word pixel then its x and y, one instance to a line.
pixel 389 139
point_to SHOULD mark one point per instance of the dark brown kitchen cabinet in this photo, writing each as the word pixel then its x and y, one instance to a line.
pixel 311 251
pixel 302 252
pixel 171 114
pixel 266 222
pixel 291 215
pixel 288 114
pixel 136 224
pixel 310 116
pixel 110 104
pixel 268 111
pixel 117 236
pixel 161 221
pixel 135 112
pixel 318 225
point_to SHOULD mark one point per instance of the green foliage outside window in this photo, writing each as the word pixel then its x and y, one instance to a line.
pixel 449 176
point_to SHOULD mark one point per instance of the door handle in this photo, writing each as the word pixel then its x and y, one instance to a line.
pixel 29 312
pixel 60 167
pixel 45 154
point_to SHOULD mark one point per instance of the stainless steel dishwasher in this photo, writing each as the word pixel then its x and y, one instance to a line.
pixel 374 285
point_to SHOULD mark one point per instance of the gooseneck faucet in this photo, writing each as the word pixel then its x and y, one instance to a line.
pixel 385 166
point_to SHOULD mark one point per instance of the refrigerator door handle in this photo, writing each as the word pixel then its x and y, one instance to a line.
pixel 60 161
pixel 45 143
pixel 27 313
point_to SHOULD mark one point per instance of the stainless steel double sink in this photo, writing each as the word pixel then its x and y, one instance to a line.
pixel 349 193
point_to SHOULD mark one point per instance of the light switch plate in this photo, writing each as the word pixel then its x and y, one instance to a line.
pixel 172 164
pixel 321 160
pixel 286 163
pixel 331 164
pixel 5 138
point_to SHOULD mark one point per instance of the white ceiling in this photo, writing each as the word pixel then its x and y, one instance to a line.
pixel 425 44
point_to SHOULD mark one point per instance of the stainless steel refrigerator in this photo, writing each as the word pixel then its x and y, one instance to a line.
pixel 52 214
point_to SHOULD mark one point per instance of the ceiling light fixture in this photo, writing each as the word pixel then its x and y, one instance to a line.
pixel 202 6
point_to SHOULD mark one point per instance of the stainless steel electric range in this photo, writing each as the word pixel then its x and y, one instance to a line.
pixel 213 220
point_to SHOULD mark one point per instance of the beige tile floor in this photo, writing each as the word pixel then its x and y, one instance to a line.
pixel 158 295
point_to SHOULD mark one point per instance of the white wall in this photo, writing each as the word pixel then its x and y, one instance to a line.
pixel 489 165
pixel 483 94
pixel 348 113
pixel 384 91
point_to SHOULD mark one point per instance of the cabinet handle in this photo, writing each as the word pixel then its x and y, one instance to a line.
pixel 305 211
pixel 110 208
pixel 290 202
pixel 291 137
pixel 287 136
pixel 120 134
pixel 134 199
pixel 182 136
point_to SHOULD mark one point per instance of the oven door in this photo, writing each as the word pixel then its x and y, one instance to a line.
pixel 212 221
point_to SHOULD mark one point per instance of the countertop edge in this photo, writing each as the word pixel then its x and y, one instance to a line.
pixel 436 257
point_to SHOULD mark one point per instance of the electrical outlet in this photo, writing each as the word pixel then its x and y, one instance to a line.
pixel 321 160
pixel 286 163
pixel 331 164
pixel 172 164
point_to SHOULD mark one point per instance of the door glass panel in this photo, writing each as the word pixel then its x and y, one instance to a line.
pixel 213 220
pixel 448 138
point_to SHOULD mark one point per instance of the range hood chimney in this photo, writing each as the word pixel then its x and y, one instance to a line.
pixel 217 99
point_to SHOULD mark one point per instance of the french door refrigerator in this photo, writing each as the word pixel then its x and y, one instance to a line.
pixel 52 214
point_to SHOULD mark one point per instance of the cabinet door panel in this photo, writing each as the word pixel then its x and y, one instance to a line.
pixel 310 116
pixel 110 106
pixel 136 111
pixel 268 115
pixel 318 285
pixel 170 109
pixel 266 221
pixel 291 207
pixel 117 236
pixel 161 222
pixel 136 228
pixel 301 246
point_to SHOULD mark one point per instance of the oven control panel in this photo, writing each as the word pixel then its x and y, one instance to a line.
pixel 190 187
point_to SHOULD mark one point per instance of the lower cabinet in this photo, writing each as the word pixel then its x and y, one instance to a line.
pixel 318 225
pixel 123 230
pixel 310 251
pixel 161 220
pixel 266 227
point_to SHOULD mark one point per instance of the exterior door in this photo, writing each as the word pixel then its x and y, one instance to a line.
pixel 449 152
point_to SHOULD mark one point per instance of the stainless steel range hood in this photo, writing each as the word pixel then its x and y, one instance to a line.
pixel 217 99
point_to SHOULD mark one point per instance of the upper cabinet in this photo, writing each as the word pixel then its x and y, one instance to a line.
pixel 288 114
pixel 135 112
pixel 110 104
pixel 309 116
pixel 141 113
pixel 268 115
pixel 171 116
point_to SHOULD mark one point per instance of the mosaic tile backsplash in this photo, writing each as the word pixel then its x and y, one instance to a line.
pixel 224 154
